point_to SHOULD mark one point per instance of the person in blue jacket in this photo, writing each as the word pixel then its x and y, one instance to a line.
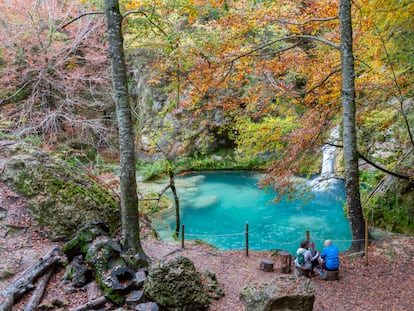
pixel 330 256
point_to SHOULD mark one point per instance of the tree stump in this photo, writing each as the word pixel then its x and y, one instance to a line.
pixel 122 278
pixel 285 261
pixel 266 265
pixel 331 275
pixel 300 272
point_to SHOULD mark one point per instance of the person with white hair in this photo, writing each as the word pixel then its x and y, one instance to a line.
pixel 329 257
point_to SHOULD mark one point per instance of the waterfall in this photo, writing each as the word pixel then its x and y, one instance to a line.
pixel 323 181
pixel 328 153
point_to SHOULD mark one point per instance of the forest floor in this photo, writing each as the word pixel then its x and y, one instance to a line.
pixel 386 283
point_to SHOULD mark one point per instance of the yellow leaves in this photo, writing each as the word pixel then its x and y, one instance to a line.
pixel 380 119
pixel 383 35
pixel 256 138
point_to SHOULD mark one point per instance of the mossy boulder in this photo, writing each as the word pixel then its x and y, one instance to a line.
pixel 176 285
pixel 61 198
pixel 392 207
pixel 281 293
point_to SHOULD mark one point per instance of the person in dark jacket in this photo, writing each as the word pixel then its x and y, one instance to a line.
pixel 330 256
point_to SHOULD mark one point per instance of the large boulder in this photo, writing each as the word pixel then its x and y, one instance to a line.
pixel 176 285
pixel 281 293
pixel 62 198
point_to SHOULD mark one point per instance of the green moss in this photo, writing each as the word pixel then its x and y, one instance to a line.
pixel 113 296
pixel 48 185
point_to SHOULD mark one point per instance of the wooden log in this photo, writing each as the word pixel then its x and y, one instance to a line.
pixel 285 261
pixel 331 275
pixel 122 278
pixel 94 291
pixel 266 265
pixel 37 294
pixel 19 286
pixel 93 304
pixel 301 272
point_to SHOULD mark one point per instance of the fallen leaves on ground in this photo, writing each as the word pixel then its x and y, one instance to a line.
pixel 384 284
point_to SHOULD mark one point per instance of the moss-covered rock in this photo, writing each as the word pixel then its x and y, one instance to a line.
pixel 61 198
pixel 103 256
pixel 80 244
pixel 283 292
pixel 392 206
pixel 176 285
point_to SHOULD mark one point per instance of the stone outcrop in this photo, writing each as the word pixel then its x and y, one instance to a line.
pixel 62 198
pixel 283 292
pixel 176 285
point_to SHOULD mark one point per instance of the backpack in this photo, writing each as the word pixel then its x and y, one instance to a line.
pixel 301 258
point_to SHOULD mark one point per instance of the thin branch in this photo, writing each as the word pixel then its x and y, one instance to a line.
pixel 382 168
pixel 324 80
pixel 148 19
pixel 5 100
pixel 322 19
pixel 278 51
pixel 397 86
pixel 377 166
pixel 80 16
pixel 310 37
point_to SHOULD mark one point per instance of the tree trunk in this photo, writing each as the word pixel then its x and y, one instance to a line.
pixel 351 175
pixel 176 200
pixel 128 184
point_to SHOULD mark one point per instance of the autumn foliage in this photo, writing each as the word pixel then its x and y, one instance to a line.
pixel 272 68
pixel 266 73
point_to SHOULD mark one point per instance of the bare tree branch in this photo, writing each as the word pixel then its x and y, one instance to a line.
pixel 397 86
pixel 80 16
pixel 310 37
pixel 324 79
pixel 377 166
pixel 323 19
pixel 406 177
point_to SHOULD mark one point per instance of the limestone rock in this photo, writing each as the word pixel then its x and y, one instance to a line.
pixel 62 198
pixel 281 293
pixel 176 285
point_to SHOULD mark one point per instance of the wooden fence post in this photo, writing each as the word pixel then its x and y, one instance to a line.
pixel 247 239
pixel 366 242
pixel 182 236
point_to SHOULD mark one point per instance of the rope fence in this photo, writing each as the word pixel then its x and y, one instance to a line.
pixel 245 233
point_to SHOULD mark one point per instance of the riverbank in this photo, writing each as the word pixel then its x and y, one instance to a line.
pixel 385 284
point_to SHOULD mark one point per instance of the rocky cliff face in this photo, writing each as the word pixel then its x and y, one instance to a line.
pixel 167 123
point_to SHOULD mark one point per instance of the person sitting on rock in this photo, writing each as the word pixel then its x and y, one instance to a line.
pixel 330 257
pixel 304 259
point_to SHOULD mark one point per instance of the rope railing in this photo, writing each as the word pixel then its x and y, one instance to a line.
pixel 215 235
pixel 278 243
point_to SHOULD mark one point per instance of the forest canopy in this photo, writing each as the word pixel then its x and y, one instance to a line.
pixel 264 74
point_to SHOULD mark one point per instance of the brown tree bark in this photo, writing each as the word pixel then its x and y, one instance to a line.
pixel 128 184
pixel 176 200
pixel 351 174
pixel 25 282
pixel 37 294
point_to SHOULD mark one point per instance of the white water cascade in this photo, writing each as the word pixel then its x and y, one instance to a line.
pixel 324 180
